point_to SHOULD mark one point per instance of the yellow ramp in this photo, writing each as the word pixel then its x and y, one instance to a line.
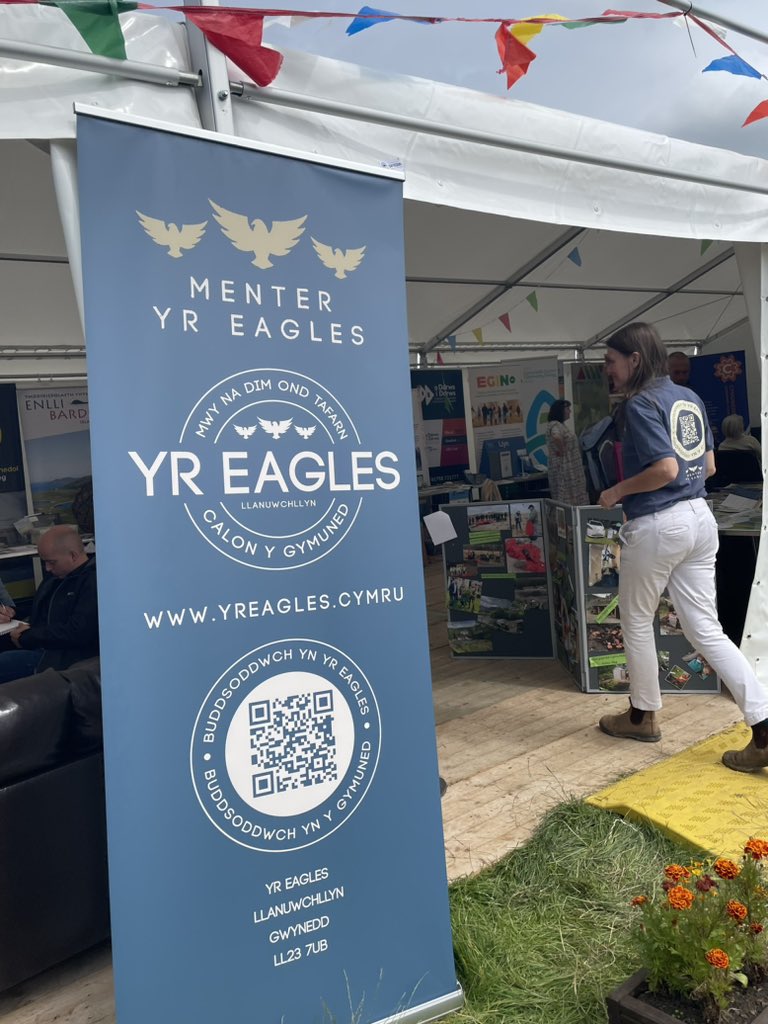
pixel 694 798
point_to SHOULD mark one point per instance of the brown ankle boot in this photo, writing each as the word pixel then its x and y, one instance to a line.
pixel 754 756
pixel 644 728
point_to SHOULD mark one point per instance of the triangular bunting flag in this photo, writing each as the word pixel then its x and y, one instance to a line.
pixel 533 300
pixel 526 30
pixel 733 64
pixel 706 242
pixel 515 57
pixel 373 17
pixel 478 333
pixel 760 111
pixel 575 256
pixel 451 339
pixel 237 34
pixel 98 23
pixel 439 360
pixel 505 320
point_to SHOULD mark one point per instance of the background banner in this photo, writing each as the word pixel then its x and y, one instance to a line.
pixel 511 401
pixel 442 423
pixel 720 381
pixel 275 834
pixel 55 422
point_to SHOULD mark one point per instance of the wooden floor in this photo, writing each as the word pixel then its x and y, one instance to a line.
pixel 514 739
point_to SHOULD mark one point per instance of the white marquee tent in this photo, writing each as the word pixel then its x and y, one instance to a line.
pixel 498 193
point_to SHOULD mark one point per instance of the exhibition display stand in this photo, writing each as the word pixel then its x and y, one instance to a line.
pixel 498 592
pixel 585 563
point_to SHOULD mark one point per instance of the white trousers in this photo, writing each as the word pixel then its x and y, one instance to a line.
pixel 676 549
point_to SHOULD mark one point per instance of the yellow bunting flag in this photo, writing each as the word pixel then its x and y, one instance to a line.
pixel 526 31
pixel 478 333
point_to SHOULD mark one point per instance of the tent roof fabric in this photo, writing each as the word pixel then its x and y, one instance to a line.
pixel 486 225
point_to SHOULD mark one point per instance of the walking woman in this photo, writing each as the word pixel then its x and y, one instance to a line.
pixel 669 540
pixel 566 469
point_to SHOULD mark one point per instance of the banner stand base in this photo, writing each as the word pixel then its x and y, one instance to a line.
pixel 433 1010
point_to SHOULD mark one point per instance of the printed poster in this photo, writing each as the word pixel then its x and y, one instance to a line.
pixel 442 423
pixel 510 403
pixel 276 846
pixel 720 381
pixel 55 423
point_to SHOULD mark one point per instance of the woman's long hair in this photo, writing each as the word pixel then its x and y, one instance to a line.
pixel 643 339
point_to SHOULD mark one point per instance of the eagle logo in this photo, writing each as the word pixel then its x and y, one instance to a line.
pixel 305 432
pixel 185 237
pixel 342 263
pixel 254 235
pixel 275 428
pixel 245 431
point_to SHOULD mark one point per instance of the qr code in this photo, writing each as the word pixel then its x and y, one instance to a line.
pixel 292 742
pixel 689 430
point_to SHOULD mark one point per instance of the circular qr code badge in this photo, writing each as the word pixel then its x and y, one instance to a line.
pixel 285 745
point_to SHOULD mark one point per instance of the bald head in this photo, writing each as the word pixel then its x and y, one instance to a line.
pixel 679 367
pixel 61 550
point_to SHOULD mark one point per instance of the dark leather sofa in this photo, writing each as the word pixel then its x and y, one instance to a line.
pixel 53 855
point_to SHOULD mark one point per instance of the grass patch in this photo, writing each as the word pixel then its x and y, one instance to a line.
pixel 544 934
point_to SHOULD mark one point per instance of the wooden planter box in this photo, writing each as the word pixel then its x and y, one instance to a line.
pixel 624 1008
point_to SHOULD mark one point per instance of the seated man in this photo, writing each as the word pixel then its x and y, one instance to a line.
pixel 63 627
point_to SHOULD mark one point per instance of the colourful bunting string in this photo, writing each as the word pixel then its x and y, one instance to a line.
pixel 533 300
pixel 735 66
pixel 478 333
pixel 237 32
pixel 705 245
pixel 575 256
pixel 452 342
pixel 505 320
pixel 439 360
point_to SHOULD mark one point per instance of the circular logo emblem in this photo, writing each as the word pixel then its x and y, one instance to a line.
pixel 285 745
pixel 687 429
pixel 277 474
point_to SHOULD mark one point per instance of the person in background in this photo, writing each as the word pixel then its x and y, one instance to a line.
pixel 669 541
pixel 679 368
pixel 7 606
pixel 63 626
pixel 567 482
pixel 736 439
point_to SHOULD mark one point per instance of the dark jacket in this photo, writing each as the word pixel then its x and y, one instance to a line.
pixel 64 621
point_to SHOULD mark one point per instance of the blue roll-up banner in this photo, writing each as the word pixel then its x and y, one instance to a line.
pixel 276 849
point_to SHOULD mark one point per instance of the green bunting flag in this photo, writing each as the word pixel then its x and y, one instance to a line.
pixel 705 245
pixel 533 300
pixel 98 23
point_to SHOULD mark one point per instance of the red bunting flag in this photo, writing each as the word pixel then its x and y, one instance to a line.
pixel 505 320
pixel 760 111
pixel 515 56
pixel 439 360
pixel 237 34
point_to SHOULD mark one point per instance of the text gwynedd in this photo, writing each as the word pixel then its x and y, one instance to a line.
pixel 306 471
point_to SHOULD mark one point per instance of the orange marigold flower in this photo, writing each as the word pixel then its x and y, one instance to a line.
pixel 680 898
pixel 718 958
pixel 736 910
pixel 755 928
pixel 726 868
pixel 756 848
pixel 676 872
pixel 638 901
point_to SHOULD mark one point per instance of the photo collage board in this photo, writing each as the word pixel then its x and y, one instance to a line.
pixel 497 586
pixel 588 633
